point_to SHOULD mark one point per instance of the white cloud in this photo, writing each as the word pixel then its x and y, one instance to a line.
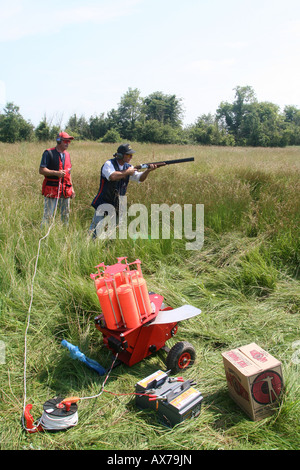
pixel 207 65
pixel 23 18
pixel 9 10
pixel 292 30
pixel 237 45
pixel 99 13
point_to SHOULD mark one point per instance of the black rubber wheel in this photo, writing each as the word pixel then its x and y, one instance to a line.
pixel 181 356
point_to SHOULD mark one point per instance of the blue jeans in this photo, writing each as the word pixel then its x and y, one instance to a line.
pixel 100 223
pixel 93 227
pixel 49 208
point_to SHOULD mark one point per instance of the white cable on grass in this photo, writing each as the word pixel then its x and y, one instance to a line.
pixel 46 421
pixel 57 423
pixel 31 300
pixel 105 380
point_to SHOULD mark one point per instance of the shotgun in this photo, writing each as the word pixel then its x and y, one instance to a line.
pixel 166 162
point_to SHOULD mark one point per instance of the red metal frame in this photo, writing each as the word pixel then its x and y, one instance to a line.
pixel 30 426
pixel 134 344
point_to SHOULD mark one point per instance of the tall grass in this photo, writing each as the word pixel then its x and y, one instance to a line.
pixel 245 280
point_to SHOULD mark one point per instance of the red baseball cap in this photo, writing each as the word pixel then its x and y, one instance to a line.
pixel 64 136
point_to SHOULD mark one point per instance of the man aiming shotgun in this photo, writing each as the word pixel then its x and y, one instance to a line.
pixel 115 175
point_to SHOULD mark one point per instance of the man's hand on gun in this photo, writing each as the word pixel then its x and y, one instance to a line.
pixel 153 166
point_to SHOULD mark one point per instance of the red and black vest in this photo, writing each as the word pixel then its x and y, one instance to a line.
pixel 51 184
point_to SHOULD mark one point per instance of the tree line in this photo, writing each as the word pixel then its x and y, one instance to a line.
pixel 158 118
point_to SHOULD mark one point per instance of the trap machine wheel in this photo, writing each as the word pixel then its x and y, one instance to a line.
pixel 181 356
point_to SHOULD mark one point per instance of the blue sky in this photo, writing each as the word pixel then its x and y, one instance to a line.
pixel 81 56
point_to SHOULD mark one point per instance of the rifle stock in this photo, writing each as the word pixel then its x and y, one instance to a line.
pixel 163 163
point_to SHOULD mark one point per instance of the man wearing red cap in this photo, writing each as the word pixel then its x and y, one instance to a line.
pixel 57 185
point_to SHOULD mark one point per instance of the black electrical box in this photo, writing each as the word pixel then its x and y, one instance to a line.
pixel 173 398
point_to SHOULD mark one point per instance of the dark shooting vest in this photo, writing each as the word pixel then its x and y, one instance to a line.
pixel 51 184
pixel 110 191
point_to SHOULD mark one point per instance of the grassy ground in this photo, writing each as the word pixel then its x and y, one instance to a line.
pixel 245 280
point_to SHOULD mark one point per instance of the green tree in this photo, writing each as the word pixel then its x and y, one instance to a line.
pixel 45 131
pixel 112 136
pixel 253 123
pixel 166 109
pixel 42 131
pixel 112 120
pixel 78 127
pixel 206 131
pixel 231 116
pixel 129 113
pixel 13 127
pixel 291 116
pixel 98 126
pixel 268 131
pixel 156 132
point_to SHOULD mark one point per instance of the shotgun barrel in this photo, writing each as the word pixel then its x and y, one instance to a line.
pixel 166 162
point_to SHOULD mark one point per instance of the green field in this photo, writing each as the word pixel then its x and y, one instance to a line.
pixel 245 279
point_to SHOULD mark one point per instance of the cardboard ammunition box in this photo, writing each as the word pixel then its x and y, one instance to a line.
pixel 254 380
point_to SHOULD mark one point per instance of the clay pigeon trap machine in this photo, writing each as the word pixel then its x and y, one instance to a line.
pixel 134 322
